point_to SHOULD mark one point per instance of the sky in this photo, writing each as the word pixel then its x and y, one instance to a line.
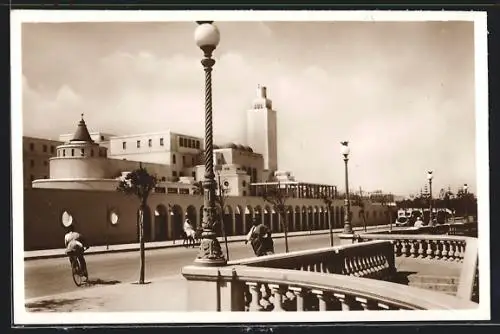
pixel 401 93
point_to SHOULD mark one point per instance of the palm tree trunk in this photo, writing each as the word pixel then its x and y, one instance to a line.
pixel 141 244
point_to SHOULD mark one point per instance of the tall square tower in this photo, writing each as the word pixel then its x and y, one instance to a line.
pixel 262 129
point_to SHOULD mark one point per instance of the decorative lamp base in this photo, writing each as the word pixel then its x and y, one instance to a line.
pixel 210 253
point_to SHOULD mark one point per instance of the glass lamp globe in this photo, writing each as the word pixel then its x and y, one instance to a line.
pixel 206 34
pixel 429 175
pixel 344 149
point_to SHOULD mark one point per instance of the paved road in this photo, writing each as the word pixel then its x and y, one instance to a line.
pixel 52 276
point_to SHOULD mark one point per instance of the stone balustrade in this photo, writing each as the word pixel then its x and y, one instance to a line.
pixel 250 288
pixel 436 247
pixel 373 259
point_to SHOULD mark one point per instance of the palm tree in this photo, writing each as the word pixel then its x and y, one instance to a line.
pixel 139 183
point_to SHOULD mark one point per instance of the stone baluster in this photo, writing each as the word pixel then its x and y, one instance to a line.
pixel 299 297
pixel 256 296
pixel 403 248
pixel 366 265
pixel 347 302
pixel 444 252
pixel 437 252
pixel 430 253
pixel 371 264
pixel 413 250
pixel 451 251
pixel 356 265
pixel 421 251
pixel 460 250
pixel 321 299
pixel 277 292
pixel 396 247
pixel 266 297
pixel 367 304
pixel 349 267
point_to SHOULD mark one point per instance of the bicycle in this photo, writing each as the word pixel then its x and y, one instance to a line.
pixel 77 271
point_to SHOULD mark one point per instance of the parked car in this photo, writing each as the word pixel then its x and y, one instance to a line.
pixel 402 221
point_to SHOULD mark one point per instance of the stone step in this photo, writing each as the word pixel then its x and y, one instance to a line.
pixel 431 279
pixel 439 287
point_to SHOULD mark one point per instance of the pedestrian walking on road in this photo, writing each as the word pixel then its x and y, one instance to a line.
pixel 260 239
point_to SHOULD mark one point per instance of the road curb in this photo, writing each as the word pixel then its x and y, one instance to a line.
pixel 153 247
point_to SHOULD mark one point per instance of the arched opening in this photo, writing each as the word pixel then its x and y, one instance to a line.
pixel 297 218
pixel 200 217
pixel 146 223
pixel 305 222
pixel 268 219
pixel 176 217
pixel 192 216
pixel 289 219
pixel 249 214
pixel 310 218
pixel 238 217
pixel 161 227
pixel 227 219
pixel 258 214
pixel 316 218
pixel 275 218
pixel 321 219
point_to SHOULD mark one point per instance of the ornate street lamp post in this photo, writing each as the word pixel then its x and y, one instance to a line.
pixel 207 38
pixel 429 177
pixel 465 203
pixel 344 149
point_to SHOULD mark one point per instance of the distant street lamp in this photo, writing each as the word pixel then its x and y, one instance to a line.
pixel 207 38
pixel 465 202
pixel 429 177
pixel 344 149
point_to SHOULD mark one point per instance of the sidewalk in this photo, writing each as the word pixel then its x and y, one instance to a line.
pixel 168 294
pixel 54 253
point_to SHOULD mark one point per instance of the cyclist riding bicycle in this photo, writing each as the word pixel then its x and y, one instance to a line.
pixel 75 246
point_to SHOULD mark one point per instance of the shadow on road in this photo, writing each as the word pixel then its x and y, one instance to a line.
pixel 401 277
pixel 98 281
pixel 51 304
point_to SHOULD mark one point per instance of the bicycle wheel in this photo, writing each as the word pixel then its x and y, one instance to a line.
pixel 77 272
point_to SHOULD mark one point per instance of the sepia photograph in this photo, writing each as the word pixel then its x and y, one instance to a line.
pixel 323 165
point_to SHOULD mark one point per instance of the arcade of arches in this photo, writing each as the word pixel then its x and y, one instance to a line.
pixel 168 220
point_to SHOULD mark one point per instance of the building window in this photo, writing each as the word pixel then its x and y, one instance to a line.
pixel 160 190
pixel 184 191
pixel 192 161
pixel 172 190
pixel 52 149
pixel 183 161
pixel 150 142
pixel 102 138
pixel 161 141
pixel 32 163
pixel 173 159
pixel 138 144
pixel 174 173
pixel 198 144
pixel 82 153
pixel 44 148
pixel 64 153
pixel 191 144
pixel 244 183
pixel 181 142
pixel 124 145
pixel 91 153
pixel 72 152
pixel 193 174
pixel 32 147
pixel 244 193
